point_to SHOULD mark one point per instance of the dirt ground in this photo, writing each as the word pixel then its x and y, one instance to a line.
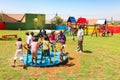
pixel 71 67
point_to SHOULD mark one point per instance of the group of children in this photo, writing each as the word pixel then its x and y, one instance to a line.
pixel 32 45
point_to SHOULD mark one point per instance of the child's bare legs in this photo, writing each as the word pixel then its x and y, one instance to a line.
pixel 32 60
pixel 61 57
pixel 34 56
pixel 48 54
pixel 18 52
pixel 61 53
pixel 14 63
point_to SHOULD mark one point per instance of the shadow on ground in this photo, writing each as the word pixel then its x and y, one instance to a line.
pixel 70 64
pixel 70 58
pixel 8 39
pixel 87 51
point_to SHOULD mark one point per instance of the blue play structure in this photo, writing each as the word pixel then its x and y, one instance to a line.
pixel 71 19
pixel 45 61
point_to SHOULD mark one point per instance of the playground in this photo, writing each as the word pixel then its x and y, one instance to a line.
pixel 99 61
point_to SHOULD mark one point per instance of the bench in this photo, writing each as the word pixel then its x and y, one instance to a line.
pixel 4 36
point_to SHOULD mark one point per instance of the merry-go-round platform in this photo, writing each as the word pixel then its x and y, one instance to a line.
pixel 55 57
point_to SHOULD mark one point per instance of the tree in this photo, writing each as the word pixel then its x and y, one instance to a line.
pixel 1 16
pixel 57 20
pixel 64 23
pixel 38 22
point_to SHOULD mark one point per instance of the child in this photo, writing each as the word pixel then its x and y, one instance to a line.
pixel 62 40
pixel 62 51
pixel 34 49
pixel 28 42
pixel 52 37
pixel 80 36
pixel 31 37
pixel 27 38
pixel 19 51
pixel 46 49
pixel 40 34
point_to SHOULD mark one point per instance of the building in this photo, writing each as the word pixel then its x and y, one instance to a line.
pixel 22 21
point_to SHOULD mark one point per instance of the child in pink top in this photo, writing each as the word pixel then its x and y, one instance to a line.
pixel 34 49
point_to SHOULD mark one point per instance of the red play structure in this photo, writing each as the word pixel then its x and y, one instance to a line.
pixel 84 23
pixel 114 29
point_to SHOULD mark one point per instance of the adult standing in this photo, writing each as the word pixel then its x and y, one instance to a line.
pixel 80 36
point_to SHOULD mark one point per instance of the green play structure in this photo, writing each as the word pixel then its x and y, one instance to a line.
pixel 35 21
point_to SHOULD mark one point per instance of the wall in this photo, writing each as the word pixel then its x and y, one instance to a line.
pixel 15 26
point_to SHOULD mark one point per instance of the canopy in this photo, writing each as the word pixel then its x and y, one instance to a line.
pixel 82 21
pixel 101 21
pixel 71 19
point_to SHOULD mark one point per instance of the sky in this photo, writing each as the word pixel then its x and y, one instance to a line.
pixel 64 8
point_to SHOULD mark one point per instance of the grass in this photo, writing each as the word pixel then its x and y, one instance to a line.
pixel 100 60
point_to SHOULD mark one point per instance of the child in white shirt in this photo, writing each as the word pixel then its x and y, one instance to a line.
pixel 19 51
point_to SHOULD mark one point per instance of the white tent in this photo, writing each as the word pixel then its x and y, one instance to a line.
pixel 101 21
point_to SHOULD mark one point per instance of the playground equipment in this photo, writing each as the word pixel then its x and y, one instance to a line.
pixel 4 36
pixel 84 23
pixel 101 27
pixel 71 23
pixel 95 31
pixel 55 57
pixel 80 21
pixel 54 49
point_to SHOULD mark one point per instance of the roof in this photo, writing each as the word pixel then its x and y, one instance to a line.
pixel 71 19
pixel 16 16
pixel 12 17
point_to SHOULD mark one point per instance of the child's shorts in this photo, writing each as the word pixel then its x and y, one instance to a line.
pixel 34 53
pixel 19 52
pixel 53 41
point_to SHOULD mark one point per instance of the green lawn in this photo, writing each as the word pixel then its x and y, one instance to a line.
pixel 100 60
